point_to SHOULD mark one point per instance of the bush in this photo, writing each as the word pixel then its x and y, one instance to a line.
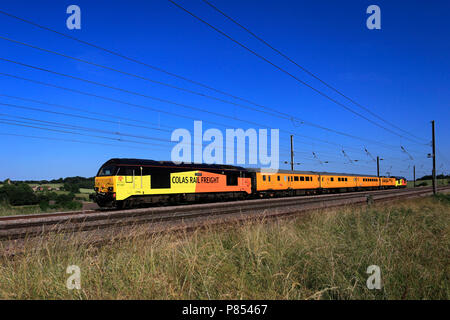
pixel 67 201
pixel 18 194
pixel 72 187
pixel 44 205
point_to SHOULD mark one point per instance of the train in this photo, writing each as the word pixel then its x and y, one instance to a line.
pixel 127 183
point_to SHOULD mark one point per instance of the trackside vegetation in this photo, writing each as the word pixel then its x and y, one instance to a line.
pixel 321 255
pixel 27 197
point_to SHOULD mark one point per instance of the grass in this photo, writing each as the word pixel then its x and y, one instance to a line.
pixel 82 195
pixel 323 255
pixel 8 210
pixel 440 182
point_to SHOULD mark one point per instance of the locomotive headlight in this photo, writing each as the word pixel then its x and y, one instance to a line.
pixel 110 189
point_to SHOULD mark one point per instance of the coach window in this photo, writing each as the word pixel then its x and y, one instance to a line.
pixel 296 178
pixel 332 179
pixel 285 178
pixel 278 178
pixel 264 178
pixel 307 178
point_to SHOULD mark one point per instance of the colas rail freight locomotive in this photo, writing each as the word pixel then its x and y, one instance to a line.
pixel 124 183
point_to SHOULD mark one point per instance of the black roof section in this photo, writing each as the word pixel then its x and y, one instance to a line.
pixel 153 163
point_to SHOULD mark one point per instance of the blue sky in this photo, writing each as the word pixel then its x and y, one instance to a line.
pixel 400 72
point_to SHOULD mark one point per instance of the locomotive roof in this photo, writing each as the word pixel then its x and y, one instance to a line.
pixel 154 163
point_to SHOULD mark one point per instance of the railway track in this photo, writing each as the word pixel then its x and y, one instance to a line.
pixel 187 216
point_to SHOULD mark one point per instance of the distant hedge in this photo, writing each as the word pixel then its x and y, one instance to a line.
pixel 18 194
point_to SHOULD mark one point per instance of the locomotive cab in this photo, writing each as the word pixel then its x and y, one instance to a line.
pixel 105 193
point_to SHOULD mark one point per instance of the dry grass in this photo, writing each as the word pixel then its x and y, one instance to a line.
pixel 320 256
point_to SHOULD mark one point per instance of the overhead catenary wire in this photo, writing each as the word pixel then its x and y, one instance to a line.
pixel 67 126
pixel 140 106
pixel 273 112
pixel 307 71
pixel 162 100
pixel 18 123
pixel 149 97
pixel 81 117
pixel 96 119
pixel 31 121
pixel 75 141
pixel 72 127
pixel 120 55
pixel 108 121
pixel 129 58
pixel 290 74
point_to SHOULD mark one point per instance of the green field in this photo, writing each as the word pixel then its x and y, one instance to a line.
pixel 322 255
pixel 52 185
pixel 83 194
pixel 6 210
